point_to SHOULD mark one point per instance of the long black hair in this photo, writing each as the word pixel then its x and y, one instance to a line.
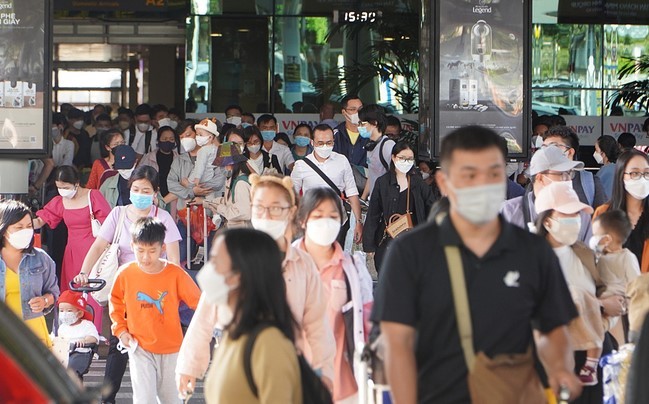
pixel 398 148
pixel 105 139
pixel 618 197
pixel 262 288
pixel 609 146
pixel 12 212
pixel 145 173
pixel 163 129
pixel 67 174
pixel 314 197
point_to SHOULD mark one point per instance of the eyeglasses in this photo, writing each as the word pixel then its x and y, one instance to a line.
pixel 560 145
pixel 328 144
pixel 402 159
pixel 565 175
pixel 273 211
pixel 635 175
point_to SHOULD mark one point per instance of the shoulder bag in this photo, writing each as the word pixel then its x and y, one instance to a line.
pixel 333 186
pixel 399 224
pixel 106 266
pixel 505 378
pixel 94 222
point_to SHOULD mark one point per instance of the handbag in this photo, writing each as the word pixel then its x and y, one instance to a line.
pixel 400 223
pixel 94 222
pixel 106 266
pixel 505 378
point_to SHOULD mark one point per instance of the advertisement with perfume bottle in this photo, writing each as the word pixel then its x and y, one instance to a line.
pixel 23 75
pixel 482 68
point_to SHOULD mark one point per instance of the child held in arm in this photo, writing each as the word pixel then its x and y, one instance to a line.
pixel 207 137
pixel 144 312
pixel 617 265
pixel 76 326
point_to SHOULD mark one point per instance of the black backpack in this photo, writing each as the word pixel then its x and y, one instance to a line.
pixel 313 390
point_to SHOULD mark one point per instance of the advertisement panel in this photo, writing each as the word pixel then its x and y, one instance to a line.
pixel 603 12
pixel 24 77
pixel 482 69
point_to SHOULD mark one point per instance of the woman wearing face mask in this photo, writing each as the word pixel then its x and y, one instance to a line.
pixel 427 170
pixel 161 160
pixel 234 206
pixel 259 160
pixel 247 289
pixel 302 136
pixel 27 274
pixel 399 191
pixel 143 186
pixel 72 207
pixel 630 191
pixel 62 149
pixel 345 279
pixel 273 211
pixel 102 168
pixel 606 152
pixel 559 223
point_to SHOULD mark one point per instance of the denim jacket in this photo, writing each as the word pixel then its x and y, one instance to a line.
pixel 37 275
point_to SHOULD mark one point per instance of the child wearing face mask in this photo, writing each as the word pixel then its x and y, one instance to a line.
pixel 559 222
pixel 617 265
pixel 76 326
pixel 207 137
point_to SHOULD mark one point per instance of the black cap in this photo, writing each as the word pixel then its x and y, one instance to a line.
pixel 124 157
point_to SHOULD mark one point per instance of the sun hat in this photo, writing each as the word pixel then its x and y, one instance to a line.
pixel 228 154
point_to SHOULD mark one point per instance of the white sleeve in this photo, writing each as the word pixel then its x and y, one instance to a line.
pixel 297 175
pixel 138 143
pixel 288 157
pixel 89 330
pixel 348 177
pixel 68 153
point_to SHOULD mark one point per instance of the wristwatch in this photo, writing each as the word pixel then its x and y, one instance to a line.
pixel 46 302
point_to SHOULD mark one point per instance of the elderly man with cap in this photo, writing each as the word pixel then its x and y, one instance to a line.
pixel 548 165
pixel 115 189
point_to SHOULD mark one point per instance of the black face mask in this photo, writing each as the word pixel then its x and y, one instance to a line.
pixel 166 147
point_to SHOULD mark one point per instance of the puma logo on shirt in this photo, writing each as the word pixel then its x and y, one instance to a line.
pixel 143 297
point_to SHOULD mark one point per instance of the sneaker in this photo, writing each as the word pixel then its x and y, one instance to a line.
pixel 588 376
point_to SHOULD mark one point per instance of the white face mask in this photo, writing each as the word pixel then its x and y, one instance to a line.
pixel 78 125
pixel 639 189
pixel 213 285
pixel 254 149
pixel 353 119
pixel 126 174
pixel 274 228
pixel 202 140
pixel 143 127
pixel 68 317
pixel 21 239
pixel 404 167
pixel 173 124
pixel 565 230
pixel 67 193
pixel 234 120
pixel 594 245
pixel 425 176
pixel 324 151
pixel 479 204
pixel 598 158
pixel 188 144
pixel 323 231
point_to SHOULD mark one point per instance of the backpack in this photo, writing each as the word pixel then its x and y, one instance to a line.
pixel 313 390
pixel 234 184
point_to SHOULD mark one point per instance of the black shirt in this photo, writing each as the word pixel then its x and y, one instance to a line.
pixel 124 197
pixel 164 165
pixel 414 289
pixel 636 240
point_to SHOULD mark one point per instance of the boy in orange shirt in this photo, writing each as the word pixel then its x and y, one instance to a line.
pixel 144 310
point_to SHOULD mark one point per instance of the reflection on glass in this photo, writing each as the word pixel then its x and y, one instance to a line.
pixel 554 101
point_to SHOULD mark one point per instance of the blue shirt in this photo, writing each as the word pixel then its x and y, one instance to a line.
pixel 606 175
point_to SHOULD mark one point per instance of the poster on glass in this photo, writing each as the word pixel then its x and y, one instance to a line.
pixel 24 76
pixel 482 68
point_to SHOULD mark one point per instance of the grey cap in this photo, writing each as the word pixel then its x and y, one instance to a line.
pixel 552 158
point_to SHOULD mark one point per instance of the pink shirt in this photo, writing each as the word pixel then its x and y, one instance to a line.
pixel 308 304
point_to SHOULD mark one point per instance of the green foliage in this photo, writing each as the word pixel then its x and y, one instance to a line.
pixel 320 26
pixel 636 91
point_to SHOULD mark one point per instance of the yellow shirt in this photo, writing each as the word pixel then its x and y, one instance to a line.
pixel 274 367
pixel 353 136
pixel 13 300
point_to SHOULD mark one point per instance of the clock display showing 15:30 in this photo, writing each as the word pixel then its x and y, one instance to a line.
pixel 361 16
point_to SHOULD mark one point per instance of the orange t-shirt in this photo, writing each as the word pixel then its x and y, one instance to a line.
pixel 146 305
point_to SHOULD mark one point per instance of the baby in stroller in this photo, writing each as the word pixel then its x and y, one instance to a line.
pixel 76 326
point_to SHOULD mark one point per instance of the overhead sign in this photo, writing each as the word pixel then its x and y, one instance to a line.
pixel 25 42
pixel 603 12
pixel 119 5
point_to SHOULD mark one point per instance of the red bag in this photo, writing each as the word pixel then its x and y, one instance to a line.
pixel 197 217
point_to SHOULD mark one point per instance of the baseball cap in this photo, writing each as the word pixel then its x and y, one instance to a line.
pixel 552 158
pixel 124 157
pixel 77 300
pixel 560 196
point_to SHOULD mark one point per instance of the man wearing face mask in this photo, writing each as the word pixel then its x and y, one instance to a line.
pixel 510 280
pixel 548 164
pixel 75 131
pixel 143 137
pixel 267 125
pixel 372 125
pixel 233 115
pixel 62 149
pixel 102 124
pixel 348 141
pixel 326 168
pixel 125 119
pixel 158 112
pixel 115 189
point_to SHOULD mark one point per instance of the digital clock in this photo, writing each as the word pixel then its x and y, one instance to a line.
pixel 353 17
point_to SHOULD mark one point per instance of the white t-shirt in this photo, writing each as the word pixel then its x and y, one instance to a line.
pixel 139 140
pixel 257 164
pixel 283 153
pixel 336 167
pixel 576 274
pixel 78 332
pixel 617 270
pixel 375 167
pixel 63 153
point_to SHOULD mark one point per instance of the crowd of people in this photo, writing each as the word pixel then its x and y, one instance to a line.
pixel 483 273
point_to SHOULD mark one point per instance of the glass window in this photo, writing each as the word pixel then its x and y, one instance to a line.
pixel 105 78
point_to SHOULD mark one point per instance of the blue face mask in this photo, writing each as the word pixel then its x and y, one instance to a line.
pixel 141 201
pixel 302 141
pixel 245 125
pixel 362 130
pixel 268 135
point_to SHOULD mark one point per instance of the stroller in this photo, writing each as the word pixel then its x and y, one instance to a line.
pixel 372 383
pixel 65 350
